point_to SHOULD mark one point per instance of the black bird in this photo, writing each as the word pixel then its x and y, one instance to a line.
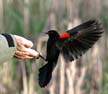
pixel 72 44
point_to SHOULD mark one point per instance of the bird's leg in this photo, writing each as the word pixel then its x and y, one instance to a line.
pixel 42 57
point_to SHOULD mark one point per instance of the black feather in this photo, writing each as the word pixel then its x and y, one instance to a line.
pixel 81 39
pixel 45 74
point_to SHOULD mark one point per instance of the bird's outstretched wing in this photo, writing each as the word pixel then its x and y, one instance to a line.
pixel 76 41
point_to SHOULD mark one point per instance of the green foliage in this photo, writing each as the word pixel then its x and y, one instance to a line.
pixel 36 26
pixel 14 19
pixel 38 15
pixel 13 67
pixel 105 77
pixel 104 17
pixel 105 22
pixel 105 83
pixel 14 22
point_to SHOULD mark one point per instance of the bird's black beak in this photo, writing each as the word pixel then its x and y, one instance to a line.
pixel 46 32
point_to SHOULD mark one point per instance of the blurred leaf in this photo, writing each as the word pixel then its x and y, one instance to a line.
pixel 14 22
pixel 105 22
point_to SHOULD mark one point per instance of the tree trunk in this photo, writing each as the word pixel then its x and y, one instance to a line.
pixel 91 8
pixel 32 80
pixel 24 77
pixel 4 2
pixel 62 75
pixel 1 16
pixel 26 17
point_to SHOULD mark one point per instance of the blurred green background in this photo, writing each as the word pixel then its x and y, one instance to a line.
pixel 30 19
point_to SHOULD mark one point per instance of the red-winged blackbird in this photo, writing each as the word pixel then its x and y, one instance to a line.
pixel 72 44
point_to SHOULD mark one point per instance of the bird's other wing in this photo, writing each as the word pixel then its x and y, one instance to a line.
pixel 75 42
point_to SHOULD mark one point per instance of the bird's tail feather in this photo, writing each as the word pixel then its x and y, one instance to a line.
pixel 45 74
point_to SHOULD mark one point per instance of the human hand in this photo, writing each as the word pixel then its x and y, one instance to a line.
pixel 24 50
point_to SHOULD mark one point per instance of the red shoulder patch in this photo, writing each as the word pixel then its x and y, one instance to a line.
pixel 64 35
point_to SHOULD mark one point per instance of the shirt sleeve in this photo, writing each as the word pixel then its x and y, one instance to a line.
pixel 7 47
